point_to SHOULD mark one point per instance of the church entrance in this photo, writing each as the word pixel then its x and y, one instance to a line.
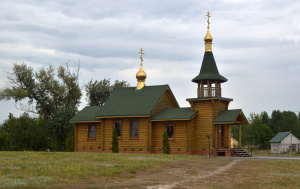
pixel 223 139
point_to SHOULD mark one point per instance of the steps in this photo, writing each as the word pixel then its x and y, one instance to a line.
pixel 240 152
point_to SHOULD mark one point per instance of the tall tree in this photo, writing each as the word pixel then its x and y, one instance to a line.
pixel 52 93
pixel 290 121
pixel 265 119
pixel 276 124
pixel 97 92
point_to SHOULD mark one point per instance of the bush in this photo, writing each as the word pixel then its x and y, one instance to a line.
pixel 115 142
pixel 166 145
pixel 70 142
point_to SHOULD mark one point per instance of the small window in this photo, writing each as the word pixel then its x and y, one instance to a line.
pixel 92 131
pixel 118 127
pixel 170 131
pixel 134 129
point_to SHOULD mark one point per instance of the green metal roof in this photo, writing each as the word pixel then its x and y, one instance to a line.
pixel 279 137
pixel 86 114
pixel 175 113
pixel 131 102
pixel 209 70
pixel 228 116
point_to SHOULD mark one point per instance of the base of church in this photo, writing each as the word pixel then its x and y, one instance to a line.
pixel 200 153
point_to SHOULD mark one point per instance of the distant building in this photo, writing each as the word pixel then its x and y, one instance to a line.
pixel 283 142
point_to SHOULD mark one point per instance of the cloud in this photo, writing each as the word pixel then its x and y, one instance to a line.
pixel 256 44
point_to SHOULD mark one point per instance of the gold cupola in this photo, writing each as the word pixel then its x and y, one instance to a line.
pixel 141 75
pixel 208 38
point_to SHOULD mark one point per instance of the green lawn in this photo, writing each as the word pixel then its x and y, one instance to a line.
pixel 96 170
pixel 41 169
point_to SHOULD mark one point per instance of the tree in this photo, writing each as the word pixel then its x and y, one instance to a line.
pixel 54 94
pixel 262 135
pixel 276 124
pixel 97 92
pixel 115 142
pixel 23 133
pixel 265 118
pixel 166 145
pixel 290 122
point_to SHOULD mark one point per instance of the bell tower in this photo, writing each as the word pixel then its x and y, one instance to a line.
pixel 209 101
pixel 209 80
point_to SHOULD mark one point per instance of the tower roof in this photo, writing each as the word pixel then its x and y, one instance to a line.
pixel 209 70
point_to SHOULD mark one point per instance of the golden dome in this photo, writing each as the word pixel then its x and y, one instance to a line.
pixel 141 75
pixel 208 37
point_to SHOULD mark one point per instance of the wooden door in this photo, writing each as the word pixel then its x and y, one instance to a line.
pixel 221 136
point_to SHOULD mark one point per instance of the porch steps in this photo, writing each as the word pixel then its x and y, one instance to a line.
pixel 241 152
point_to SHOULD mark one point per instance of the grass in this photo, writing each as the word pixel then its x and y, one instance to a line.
pixel 41 169
pixel 94 170
pixel 267 152
pixel 263 174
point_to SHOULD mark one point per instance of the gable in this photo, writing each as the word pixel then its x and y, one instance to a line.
pixel 166 101
pixel 231 117
pixel 129 102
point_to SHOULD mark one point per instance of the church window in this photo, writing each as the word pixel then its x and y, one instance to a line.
pixel 170 131
pixel 91 131
pixel 134 129
pixel 118 126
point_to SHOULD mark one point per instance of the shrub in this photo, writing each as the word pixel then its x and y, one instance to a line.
pixel 115 142
pixel 70 142
pixel 166 145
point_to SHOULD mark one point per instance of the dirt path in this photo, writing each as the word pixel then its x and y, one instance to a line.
pixel 192 173
pixel 197 177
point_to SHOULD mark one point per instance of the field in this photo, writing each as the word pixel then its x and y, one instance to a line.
pixel 94 170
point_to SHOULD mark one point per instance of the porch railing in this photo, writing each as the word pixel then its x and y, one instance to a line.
pixel 209 92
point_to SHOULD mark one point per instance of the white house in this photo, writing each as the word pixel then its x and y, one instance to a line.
pixel 283 142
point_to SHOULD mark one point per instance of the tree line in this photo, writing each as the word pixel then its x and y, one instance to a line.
pixel 53 95
pixel 262 127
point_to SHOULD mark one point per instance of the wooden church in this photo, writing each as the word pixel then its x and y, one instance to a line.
pixel 141 114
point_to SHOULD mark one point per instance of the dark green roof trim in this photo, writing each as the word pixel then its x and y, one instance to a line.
pixel 87 114
pixel 208 98
pixel 175 114
pixel 279 137
pixel 209 70
pixel 229 116
pixel 131 102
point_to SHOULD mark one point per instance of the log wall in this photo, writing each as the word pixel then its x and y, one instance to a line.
pixel 179 143
pixel 82 143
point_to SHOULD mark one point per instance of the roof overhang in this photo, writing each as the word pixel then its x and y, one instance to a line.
pixel 232 117
pixel 124 116
pixel 86 121
pixel 209 98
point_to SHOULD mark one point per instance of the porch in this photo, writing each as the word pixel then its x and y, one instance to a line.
pixel 223 138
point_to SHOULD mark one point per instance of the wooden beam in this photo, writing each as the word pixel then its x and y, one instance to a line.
pixel 229 136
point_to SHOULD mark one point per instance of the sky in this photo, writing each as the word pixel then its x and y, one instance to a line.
pixel 256 45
